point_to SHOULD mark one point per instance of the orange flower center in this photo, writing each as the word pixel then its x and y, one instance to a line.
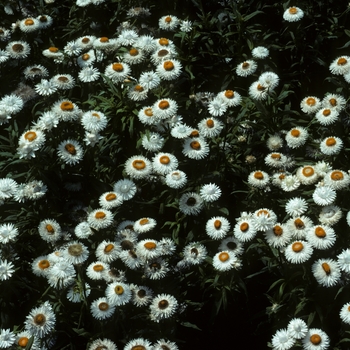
pixel 118 67
pixel 333 102
pixel 53 49
pixel 98 268
pixel 342 61
pixel 299 224
pixel 163 41
pixel 70 149
pixel 217 224
pixel 258 175
pixel 162 53
pixel 149 112
pixel 308 171
pixel 85 40
pixel 108 248
pixel 277 230
pixel 297 247
pixel 326 112
pixel 22 342
pixel 337 175
pixel 245 65
pixel 276 155
pixel 85 56
pixel 263 212
pixel 63 79
pixel 223 257
pixel 119 290
pixel 103 306
pixel 315 339
pixel 104 39
pixel 110 197
pixel 139 164
pixel 39 319
pixel 138 88
pixel 133 52
pixel 43 264
pixel 143 221
pixel 195 145
pixel 29 22
pixel 138 347
pixel 310 101
pixel 244 227
pixel 150 245
pixel 260 87
pixel 30 135
pixel 194 133
pixel 295 133
pixel 100 215
pixel 229 94
pixel 168 65
pixel 168 19
pixel 320 232
pixel 293 10
pixel 164 160
pixel 67 106
pixel 326 268
pixel 282 176
pixel 210 123
pixel 331 141
pixel 49 228
pixel 163 104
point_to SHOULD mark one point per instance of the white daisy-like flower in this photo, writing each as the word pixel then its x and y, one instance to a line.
pixel 46 87
pixel 168 22
pixel 72 48
pixel 244 230
pixel 66 110
pixel 164 163
pixel 334 102
pixel 297 328
pixel 246 68
pixel 127 37
pixel 63 81
pixel 326 272
pixel 104 343
pixel 11 103
pixel 340 66
pixel 4 56
pixel 258 178
pixel 282 340
pixel 321 237
pixel 296 137
pixel 176 179
pixel 139 343
pixel 83 230
pixel 210 127
pixel 34 138
pixel 194 254
pixel 345 313
pixel 146 116
pixel 210 192
pixel 230 98
pixel 217 227
pixel 96 270
pixel 18 49
pixel 7 338
pixel 75 253
pixel 89 74
pixel 195 148
pixel 167 246
pixel 296 206
pixel 330 215
pixel 41 265
pixel 117 71
pixel 134 56
pixel 257 91
pixel 264 219
pixel 331 145
pixel 138 167
pixel 344 260
pixel 118 293
pixel 225 261
pixel 169 69
pixel 269 80
pixel 298 226
pixel 54 53
pixel 289 183
pixel 144 225
pixel 105 44
pixel 298 252
pixel 131 259
pixel 101 309
pixel 94 121
pixel 141 295
pixel 217 107
pixel 47 121
pixel 165 108
pixel 148 249
pixel 78 292
pixel 70 152
pixel 45 21
pixel 22 339
pixel 86 59
pixel 50 230
pixel 125 188
pixel 137 92
pixel 8 188
pixel 327 116
pixel 152 142
pixel 185 26
pixel 337 179
pixel 315 339
pixel 278 236
pixel 260 52
pixel 41 320
pixel 163 306
pixel 293 14
pixel 310 104
pixel 100 218
pixel 324 195
pixel 307 175
pixel 274 143
pixel 190 203
pixel 6 270
pixel 163 344
pixel 107 251
pixel 149 79
pixel 276 160
pixel 109 200
pixel 232 245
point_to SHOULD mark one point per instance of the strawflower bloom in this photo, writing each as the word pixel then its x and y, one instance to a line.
pixel 326 272
pixel 298 252
pixel 293 14
pixel 282 340
pixel 163 306
pixel 315 339
pixel 345 313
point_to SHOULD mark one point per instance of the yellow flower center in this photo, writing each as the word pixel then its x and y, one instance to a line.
pixel 138 347
pixel 326 112
pixel 297 247
pixel 263 212
pixel 326 268
pixel 217 224
pixel 229 94
pixel 63 79
pixel 43 264
pixel 276 156
pixel 163 42
pixel 245 65
pixel 168 19
pixel 119 290
pixel 195 145
pixel 22 342
pixel 110 197
pixel 98 268
pixel 28 22
pixel 295 133
pixel 164 160
pixel 85 40
pixel 138 88
pixel 43 19
pixel 162 53
pixel 39 319
pixel 299 224
pixel 133 52
pixel 244 227
pixel 333 102
pixel 108 248
pixel 293 10
pixel 30 136
pixel 118 67
pixel 210 123
pixel 315 339
pixel 49 228
pixel 223 257
pixel 104 39
pixel 194 133
pixel 70 149
pixel 331 141
pixel 163 104
pixel 320 232
pixel 150 245
pixel 310 101
pixel 85 56
pixel 337 175
pixel 258 175
pixel 138 164
pixel 148 112
pixel 67 106
pixel 100 215
pixel 342 61
pixel 53 49
pixel 143 221
pixel 308 171
pixel 260 87
pixel 277 230
pixel 168 65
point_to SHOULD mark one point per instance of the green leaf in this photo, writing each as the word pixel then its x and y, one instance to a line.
pixel 247 18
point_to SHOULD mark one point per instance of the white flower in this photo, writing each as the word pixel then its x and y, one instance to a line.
pixel 210 192
pixel 324 195
pixel 89 74
pixel 176 179
pixel 70 152
pixel 225 260
pixel 190 203
pixel 126 188
pixel 185 26
pixel 321 237
pixel 290 183
pixel 138 167
pixel 310 104
pixel 340 66
pixel 118 293
pixel 257 91
pixel 327 116
pixel 8 188
pixel 269 80
pixel 264 219
pixel 297 328
pixel 94 121
pixel 164 163
pixel 344 260
pixel 168 22
pixel 217 227
pixel 46 87
pixel 217 107
pixel 102 343
pixel 345 313
pixel 296 206
pixel 331 145
pixel 152 142
pixel 258 179
pixel 246 68
pixel 326 272
pixel 337 179
pixel 315 339
pixel 298 252
pixel 169 69
pixel 274 143
pixel 100 218
pixel 296 137
pixel 282 340
pixel 7 338
pixel 101 309
pixel 330 215
pixel 195 148
pixel 278 236
pixel 260 52
pixel 163 306
pixel 293 14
